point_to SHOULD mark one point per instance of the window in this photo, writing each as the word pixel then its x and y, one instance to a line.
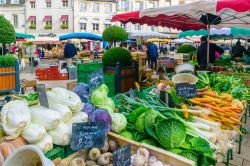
pixel 124 6
pixel 124 26
pixel 15 20
pixel 83 6
pixel 65 3
pixel 108 8
pixel 95 27
pixel 15 1
pixel 83 26
pixel 151 5
pixel 106 25
pixel 33 4
pixel 137 27
pixel 138 5
pixel 48 24
pixel 48 4
pixel 96 7
pixel 65 24
pixel 2 1
pixel 32 24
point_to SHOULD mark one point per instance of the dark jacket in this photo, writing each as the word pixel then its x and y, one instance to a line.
pixel 69 50
pixel 152 51
pixel 202 53
pixel 238 51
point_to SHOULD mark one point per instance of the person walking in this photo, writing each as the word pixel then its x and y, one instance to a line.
pixel 238 51
pixel 163 49
pixel 202 53
pixel 152 55
pixel 69 52
pixel 21 57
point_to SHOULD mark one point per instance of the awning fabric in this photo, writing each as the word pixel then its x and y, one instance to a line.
pixel 32 18
pixel 24 36
pixel 47 18
pixel 81 35
pixel 146 35
pixel 64 17
pixel 234 13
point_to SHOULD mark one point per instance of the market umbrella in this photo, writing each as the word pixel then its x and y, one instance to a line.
pixel 24 36
pixel 81 35
pixel 182 41
pixel 222 13
pixel 146 35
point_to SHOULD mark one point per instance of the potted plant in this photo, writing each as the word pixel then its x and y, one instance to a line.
pixel 64 26
pixel 9 68
pixel 32 26
pixel 119 61
pixel 48 26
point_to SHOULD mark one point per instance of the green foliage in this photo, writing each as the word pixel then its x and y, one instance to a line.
pixel 117 54
pixel 189 155
pixel 32 26
pixel 29 43
pixel 7 60
pixel 127 134
pixel 171 133
pixel 140 123
pixel 114 34
pixel 134 114
pixel 186 48
pixel 199 144
pixel 48 26
pixel 7 31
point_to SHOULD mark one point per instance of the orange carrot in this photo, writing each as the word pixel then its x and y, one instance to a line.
pixel 213 108
pixel 195 102
pixel 205 117
pixel 184 107
pixel 235 128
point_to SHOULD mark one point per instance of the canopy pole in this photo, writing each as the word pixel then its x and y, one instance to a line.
pixel 208 41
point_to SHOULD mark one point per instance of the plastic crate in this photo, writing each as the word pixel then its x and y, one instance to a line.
pixel 68 151
pixel 63 77
pixel 56 152
pixel 89 67
pixel 111 92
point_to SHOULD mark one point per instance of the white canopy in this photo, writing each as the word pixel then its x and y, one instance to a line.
pixel 182 40
pixel 146 35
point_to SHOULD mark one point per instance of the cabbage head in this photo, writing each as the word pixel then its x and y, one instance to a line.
pixel 119 122
pixel 127 134
pixel 110 103
pixel 104 88
pixel 107 108
pixel 171 133
pixel 98 98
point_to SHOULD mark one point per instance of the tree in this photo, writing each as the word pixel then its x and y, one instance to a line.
pixel 114 34
pixel 7 31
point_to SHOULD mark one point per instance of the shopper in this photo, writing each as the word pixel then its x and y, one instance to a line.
pixel 69 52
pixel 202 53
pixel 163 49
pixel 21 56
pixel 238 51
pixel 152 55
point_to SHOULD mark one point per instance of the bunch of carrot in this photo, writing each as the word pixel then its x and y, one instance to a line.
pixel 221 108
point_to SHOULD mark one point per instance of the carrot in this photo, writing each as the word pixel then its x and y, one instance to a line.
pixel 203 89
pixel 213 108
pixel 211 94
pixel 227 120
pixel 205 117
pixel 195 102
pixel 236 121
pixel 215 119
pixel 235 128
pixel 208 99
pixel 184 107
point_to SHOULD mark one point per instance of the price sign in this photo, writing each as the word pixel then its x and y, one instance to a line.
pixel 87 135
pixel 122 156
pixel 186 90
pixel 43 99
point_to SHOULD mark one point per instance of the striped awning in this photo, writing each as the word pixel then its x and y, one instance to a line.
pixel 47 18
pixel 32 18
pixel 64 17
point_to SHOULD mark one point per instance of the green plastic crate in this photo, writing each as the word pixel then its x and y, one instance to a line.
pixel 56 152
pixel 111 92
pixel 68 151
pixel 109 78
pixel 89 67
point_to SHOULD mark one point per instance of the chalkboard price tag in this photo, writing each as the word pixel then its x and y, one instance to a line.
pixel 186 90
pixel 43 99
pixel 132 93
pixel 87 135
pixel 122 156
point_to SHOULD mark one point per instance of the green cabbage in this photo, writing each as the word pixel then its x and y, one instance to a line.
pixel 98 98
pixel 103 88
pixel 140 123
pixel 127 134
pixel 107 108
pixel 171 133
pixel 119 122
pixel 149 142
pixel 110 103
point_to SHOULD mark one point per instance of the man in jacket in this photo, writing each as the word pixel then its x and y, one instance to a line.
pixel 152 55
pixel 69 52
pixel 202 53
pixel 238 51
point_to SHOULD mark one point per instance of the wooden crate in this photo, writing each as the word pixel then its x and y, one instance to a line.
pixel 162 155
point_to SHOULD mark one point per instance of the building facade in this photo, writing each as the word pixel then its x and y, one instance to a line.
pixel 49 18
pixel 93 16
pixel 13 10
